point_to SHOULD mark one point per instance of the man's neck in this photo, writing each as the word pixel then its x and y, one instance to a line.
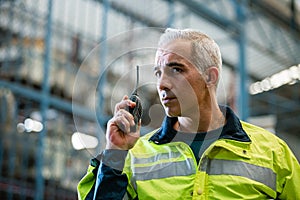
pixel 207 121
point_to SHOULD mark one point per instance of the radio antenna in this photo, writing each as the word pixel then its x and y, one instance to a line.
pixel 137 80
pixel 137 110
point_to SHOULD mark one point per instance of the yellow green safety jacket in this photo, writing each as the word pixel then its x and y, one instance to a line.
pixel 245 162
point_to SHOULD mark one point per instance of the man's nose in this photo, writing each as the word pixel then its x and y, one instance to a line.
pixel 164 82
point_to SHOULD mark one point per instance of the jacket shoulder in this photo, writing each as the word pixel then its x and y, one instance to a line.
pixel 259 133
pixel 265 142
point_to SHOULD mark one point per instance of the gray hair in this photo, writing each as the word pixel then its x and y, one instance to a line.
pixel 205 51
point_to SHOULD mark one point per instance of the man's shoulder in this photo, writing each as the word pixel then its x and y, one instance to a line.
pixel 254 128
pixel 262 136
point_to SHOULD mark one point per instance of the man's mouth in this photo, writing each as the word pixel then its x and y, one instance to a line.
pixel 167 100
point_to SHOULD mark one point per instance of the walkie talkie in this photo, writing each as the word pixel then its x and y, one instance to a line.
pixel 136 111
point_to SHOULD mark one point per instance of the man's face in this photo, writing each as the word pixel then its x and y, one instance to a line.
pixel 181 87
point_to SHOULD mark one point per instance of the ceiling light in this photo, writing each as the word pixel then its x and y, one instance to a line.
pixel 287 76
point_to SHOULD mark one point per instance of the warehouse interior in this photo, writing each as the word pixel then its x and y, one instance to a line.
pixel 64 65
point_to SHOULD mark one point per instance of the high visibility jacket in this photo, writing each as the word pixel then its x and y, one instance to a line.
pixel 228 169
pixel 261 168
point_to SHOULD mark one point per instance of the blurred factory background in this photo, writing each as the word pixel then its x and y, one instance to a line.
pixel 64 64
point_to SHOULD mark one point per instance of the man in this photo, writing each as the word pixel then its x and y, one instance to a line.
pixel 202 150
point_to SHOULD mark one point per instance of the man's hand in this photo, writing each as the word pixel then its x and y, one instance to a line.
pixel 118 133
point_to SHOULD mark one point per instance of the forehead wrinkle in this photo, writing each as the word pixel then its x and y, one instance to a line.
pixel 179 51
pixel 171 56
pixel 170 62
pixel 179 47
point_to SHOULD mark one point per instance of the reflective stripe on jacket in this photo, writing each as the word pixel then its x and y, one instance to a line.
pixel 261 169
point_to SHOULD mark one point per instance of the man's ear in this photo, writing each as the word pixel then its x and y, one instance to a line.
pixel 212 76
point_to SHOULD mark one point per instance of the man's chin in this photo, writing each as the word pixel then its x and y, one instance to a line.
pixel 171 113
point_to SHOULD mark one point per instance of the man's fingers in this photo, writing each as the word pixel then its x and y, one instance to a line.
pixel 122 104
pixel 126 115
pixel 124 120
pixel 125 103
pixel 123 124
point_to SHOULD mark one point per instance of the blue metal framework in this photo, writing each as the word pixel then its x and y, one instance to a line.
pixel 243 105
pixel 44 105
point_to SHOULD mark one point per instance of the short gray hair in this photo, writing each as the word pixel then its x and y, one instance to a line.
pixel 205 51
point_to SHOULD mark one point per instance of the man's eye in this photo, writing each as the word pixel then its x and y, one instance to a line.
pixel 157 73
pixel 176 70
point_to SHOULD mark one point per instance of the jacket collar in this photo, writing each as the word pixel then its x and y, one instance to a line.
pixel 231 130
